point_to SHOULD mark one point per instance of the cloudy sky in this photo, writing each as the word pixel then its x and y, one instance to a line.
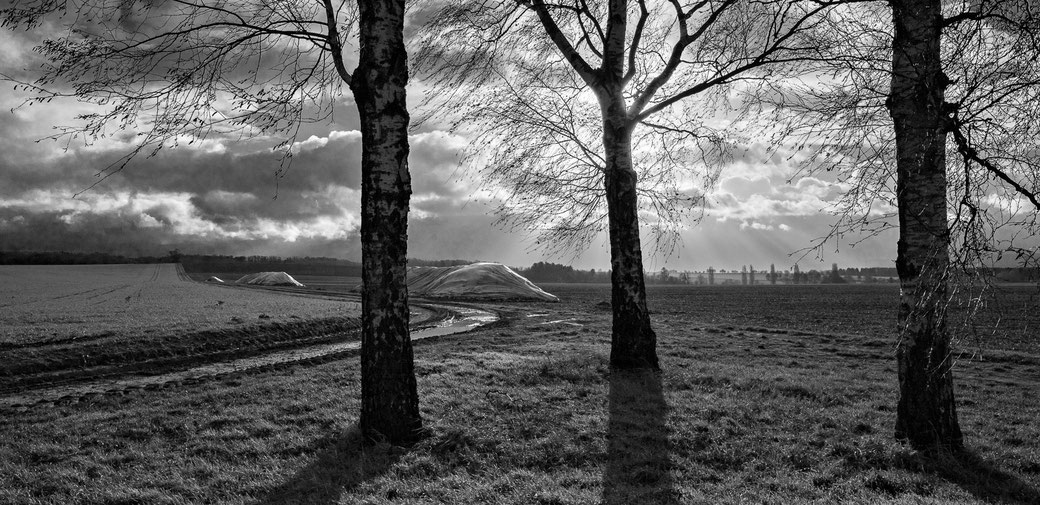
pixel 221 196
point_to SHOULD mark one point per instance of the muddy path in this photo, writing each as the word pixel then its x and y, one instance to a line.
pixel 438 319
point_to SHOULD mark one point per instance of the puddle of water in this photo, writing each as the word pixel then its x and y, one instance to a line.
pixel 465 319
pixel 563 321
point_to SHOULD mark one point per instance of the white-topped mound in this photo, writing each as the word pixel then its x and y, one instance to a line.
pixel 479 281
pixel 215 279
pixel 269 279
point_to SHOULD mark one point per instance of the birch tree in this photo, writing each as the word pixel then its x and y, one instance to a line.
pixel 927 113
pixel 181 71
pixel 579 109
pixel 926 414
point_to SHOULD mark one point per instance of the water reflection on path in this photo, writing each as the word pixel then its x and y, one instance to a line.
pixel 459 320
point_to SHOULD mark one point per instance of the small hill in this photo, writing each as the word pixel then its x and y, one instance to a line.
pixel 269 279
pixel 477 281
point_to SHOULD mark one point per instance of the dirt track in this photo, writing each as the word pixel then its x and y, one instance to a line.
pixel 448 319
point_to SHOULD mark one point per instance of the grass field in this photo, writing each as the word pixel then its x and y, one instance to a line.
pixel 1007 318
pixel 775 399
pixel 59 322
pixel 41 303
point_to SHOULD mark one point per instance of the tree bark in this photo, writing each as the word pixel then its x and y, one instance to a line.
pixel 633 341
pixel 389 400
pixel 926 414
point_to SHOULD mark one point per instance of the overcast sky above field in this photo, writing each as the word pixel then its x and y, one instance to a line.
pixel 219 197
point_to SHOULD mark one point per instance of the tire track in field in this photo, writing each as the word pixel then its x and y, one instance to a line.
pixel 75 339
pixel 153 280
pixel 92 293
pixel 113 290
pixel 459 319
pixel 89 294
pixel 44 299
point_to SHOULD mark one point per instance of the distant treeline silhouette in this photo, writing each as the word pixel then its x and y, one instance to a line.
pixel 197 263
pixel 552 272
pixel 541 271
pixel 73 258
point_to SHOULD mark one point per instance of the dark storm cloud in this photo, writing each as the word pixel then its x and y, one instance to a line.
pixel 115 233
pixel 25 167
pixel 222 207
pixel 227 185
pixel 319 164
pixel 25 164
pixel 221 183
pixel 209 194
pixel 120 233
pixel 197 172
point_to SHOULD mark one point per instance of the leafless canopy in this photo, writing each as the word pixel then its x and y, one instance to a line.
pixel 178 71
pixel 524 79
pixel 992 110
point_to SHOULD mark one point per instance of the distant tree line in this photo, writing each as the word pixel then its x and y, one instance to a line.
pixel 552 272
pixel 73 258
pixel 665 277
pixel 1017 274
pixel 870 272
pixel 544 272
pixel 796 276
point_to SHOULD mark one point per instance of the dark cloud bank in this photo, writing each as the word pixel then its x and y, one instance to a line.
pixel 214 201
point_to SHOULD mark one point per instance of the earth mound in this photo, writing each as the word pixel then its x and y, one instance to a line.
pixel 477 281
pixel 215 279
pixel 269 279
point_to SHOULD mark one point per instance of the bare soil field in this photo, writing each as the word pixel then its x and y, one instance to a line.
pixel 761 400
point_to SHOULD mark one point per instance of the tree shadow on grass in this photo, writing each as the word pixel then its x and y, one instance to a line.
pixel 982 478
pixel 343 462
pixel 638 465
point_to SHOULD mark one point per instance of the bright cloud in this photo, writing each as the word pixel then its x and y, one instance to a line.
pixel 755 226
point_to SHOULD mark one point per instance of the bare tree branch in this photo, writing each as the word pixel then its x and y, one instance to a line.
pixel 586 72
pixel 970 154
pixel 335 46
